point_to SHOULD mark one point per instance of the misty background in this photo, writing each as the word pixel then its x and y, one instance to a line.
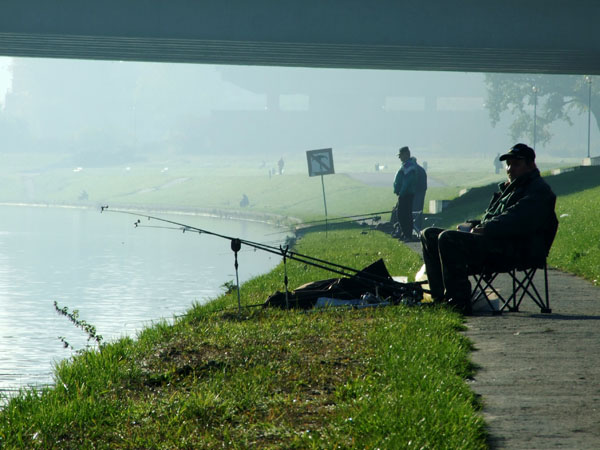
pixel 105 113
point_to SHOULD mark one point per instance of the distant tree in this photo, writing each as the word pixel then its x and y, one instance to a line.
pixel 558 96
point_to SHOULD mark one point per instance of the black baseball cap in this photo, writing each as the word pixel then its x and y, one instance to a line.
pixel 519 151
pixel 403 150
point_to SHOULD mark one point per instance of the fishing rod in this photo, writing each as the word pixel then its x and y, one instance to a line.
pixel 354 217
pixel 337 221
pixel 184 229
pixel 281 251
pixel 268 248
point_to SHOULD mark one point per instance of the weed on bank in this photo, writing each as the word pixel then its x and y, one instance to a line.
pixel 390 377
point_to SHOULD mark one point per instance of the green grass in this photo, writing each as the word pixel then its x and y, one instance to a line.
pixel 576 248
pixel 390 377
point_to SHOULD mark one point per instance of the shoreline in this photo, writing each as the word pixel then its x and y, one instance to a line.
pixel 275 220
pixel 5 393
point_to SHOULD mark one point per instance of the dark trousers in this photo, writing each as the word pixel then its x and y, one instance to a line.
pixel 404 211
pixel 419 201
pixel 450 256
pixel 419 205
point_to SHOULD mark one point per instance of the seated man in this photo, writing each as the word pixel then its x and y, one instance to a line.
pixel 517 228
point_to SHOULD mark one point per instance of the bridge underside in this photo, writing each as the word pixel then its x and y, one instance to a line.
pixel 538 36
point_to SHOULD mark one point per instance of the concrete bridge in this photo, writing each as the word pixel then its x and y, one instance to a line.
pixel 543 36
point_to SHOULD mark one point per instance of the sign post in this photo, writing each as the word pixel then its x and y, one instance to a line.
pixel 320 162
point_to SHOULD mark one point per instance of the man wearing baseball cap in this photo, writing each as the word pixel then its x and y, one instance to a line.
pixel 517 228
pixel 405 184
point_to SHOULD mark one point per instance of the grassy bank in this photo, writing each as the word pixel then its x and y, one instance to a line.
pixel 389 377
pixel 577 245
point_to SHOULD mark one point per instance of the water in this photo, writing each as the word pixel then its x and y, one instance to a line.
pixel 118 277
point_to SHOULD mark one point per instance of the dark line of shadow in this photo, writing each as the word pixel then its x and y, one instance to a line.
pixel 564 317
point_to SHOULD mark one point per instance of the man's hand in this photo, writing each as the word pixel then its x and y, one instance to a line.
pixel 466 227
pixel 477 230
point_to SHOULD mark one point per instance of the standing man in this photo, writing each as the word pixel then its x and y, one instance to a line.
pixel 518 227
pixel 404 187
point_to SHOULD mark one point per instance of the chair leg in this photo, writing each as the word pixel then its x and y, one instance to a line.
pixel 528 287
pixel 546 308
pixel 515 306
pixel 525 284
pixel 520 288
pixel 481 284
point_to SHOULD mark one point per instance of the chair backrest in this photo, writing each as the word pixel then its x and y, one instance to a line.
pixel 535 256
pixel 530 256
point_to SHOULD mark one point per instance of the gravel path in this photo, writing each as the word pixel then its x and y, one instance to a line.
pixel 539 374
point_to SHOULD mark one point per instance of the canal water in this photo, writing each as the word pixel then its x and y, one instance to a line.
pixel 120 278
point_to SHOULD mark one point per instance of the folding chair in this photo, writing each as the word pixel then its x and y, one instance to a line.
pixel 522 277
pixel 523 285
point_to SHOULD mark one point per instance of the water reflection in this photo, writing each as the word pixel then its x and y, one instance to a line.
pixel 118 277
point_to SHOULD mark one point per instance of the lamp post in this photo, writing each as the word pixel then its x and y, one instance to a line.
pixel 588 80
pixel 535 93
pixel 134 128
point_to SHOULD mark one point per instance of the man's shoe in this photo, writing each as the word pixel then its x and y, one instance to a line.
pixel 409 239
pixel 460 305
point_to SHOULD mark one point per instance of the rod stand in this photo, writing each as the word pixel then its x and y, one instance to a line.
pixel 284 252
pixel 325 204
pixel 236 245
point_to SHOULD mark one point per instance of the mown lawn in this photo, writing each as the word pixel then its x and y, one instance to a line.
pixel 577 245
pixel 391 377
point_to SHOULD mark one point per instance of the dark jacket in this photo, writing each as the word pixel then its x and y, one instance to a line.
pixel 521 220
pixel 421 180
pixel 406 178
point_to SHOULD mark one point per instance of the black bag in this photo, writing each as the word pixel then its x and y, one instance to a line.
pixel 374 279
